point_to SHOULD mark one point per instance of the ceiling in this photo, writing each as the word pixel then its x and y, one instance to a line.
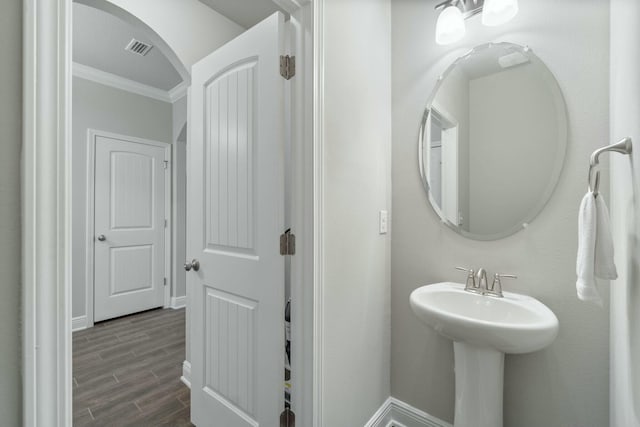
pixel 245 13
pixel 99 39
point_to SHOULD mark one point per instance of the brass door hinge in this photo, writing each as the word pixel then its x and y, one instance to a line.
pixel 287 243
pixel 287 66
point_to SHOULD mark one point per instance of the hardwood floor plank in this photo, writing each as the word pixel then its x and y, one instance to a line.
pixel 127 372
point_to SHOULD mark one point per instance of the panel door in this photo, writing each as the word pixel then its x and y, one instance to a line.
pixel 236 214
pixel 129 227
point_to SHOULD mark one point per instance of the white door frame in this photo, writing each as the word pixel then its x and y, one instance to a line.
pixel 169 248
pixel 47 221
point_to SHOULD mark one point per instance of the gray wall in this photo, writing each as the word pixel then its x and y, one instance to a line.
pixel 566 384
pixel 10 143
pixel 357 184
pixel 100 107
pixel 179 112
pixel 523 151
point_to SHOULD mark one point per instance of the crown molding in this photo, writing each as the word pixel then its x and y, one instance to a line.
pixel 178 91
pixel 108 79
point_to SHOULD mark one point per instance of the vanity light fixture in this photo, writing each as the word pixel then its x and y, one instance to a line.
pixel 450 26
pixel 497 12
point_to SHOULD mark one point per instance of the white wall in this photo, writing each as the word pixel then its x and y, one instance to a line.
pixel 100 107
pixel 625 206
pixel 10 238
pixel 564 385
pixel 357 135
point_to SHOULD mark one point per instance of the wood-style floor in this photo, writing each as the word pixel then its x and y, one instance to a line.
pixel 126 372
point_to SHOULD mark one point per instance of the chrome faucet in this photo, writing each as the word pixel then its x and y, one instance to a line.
pixel 477 282
pixel 481 279
pixel 496 286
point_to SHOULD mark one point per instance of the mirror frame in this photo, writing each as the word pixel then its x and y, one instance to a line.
pixel 561 108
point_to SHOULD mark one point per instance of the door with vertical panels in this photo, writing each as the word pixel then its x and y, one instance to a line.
pixel 129 212
pixel 236 214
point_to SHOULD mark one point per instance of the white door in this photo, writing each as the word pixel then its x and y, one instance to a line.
pixel 236 214
pixel 129 226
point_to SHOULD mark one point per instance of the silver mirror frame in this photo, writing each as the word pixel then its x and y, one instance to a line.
pixel 561 108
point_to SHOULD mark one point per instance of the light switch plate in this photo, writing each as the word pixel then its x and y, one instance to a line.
pixel 384 222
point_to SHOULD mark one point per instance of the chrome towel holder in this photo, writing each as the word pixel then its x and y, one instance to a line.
pixel 624 146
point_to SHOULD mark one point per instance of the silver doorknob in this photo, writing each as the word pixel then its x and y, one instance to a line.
pixel 102 238
pixel 195 264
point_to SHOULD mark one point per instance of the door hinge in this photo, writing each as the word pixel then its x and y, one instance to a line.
pixel 165 281
pixel 166 223
pixel 287 418
pixel 166 164
pixel 287 66
pixel 287 243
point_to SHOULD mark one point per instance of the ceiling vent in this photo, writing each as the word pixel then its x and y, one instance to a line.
pixel 138 47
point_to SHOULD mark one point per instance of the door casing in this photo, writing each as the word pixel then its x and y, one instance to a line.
pixel 47 221
pixel 169 247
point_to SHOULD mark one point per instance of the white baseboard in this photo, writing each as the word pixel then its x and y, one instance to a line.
pixel 382 417
pixel 79 323
pixel 178 302
pixel 186 373
pixel 396 413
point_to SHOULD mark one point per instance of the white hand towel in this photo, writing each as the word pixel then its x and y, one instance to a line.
pixel 585 263
pixel 605 268
pixel 595 248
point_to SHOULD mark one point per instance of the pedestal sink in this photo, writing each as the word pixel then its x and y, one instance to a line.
pixel 483 328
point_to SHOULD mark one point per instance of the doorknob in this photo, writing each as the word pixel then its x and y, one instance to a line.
pixel 102 238
pixel 195 264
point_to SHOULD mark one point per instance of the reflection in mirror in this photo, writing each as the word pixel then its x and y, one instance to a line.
pixel 492 141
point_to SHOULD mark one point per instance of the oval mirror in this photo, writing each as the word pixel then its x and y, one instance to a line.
pixel 492 141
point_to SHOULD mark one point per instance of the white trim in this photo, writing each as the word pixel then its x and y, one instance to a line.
pixel 112 80
pixel 382 417
pixel 291 6
pixel 300 179
pixel 90 214
pixel 186 373
pixel 178 302
pixel 46 213
pixel 78 323
pixel 178 92
pixel 318 212
pixel 396 413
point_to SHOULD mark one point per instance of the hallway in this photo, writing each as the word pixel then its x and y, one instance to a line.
pixel 126 372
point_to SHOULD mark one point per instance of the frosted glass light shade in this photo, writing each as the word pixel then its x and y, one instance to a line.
pixel 450 26
pixel 496 12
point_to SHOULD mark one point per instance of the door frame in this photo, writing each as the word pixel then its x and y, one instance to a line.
pixel 47 214
pixel 169 248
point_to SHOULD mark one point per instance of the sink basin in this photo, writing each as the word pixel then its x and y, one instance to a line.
pixel 483 328
pixel 513 324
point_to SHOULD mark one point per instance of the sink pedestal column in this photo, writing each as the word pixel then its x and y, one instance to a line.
pixel 479 373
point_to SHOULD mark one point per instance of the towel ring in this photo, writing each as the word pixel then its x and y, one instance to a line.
pixel 596 186
pixel 624 146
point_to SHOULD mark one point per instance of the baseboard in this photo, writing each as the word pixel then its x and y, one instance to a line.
pixel 382 417
pixel 178 302
pixel 79 323
pixel 186 373
pixel 396 413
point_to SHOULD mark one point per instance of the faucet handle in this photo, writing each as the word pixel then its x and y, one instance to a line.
pixel 471 278
pixel 496 286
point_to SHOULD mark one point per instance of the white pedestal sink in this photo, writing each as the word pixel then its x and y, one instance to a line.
pixel 483 328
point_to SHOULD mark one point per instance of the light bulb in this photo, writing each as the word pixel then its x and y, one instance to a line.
pixel 450 26
pixel 496 12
